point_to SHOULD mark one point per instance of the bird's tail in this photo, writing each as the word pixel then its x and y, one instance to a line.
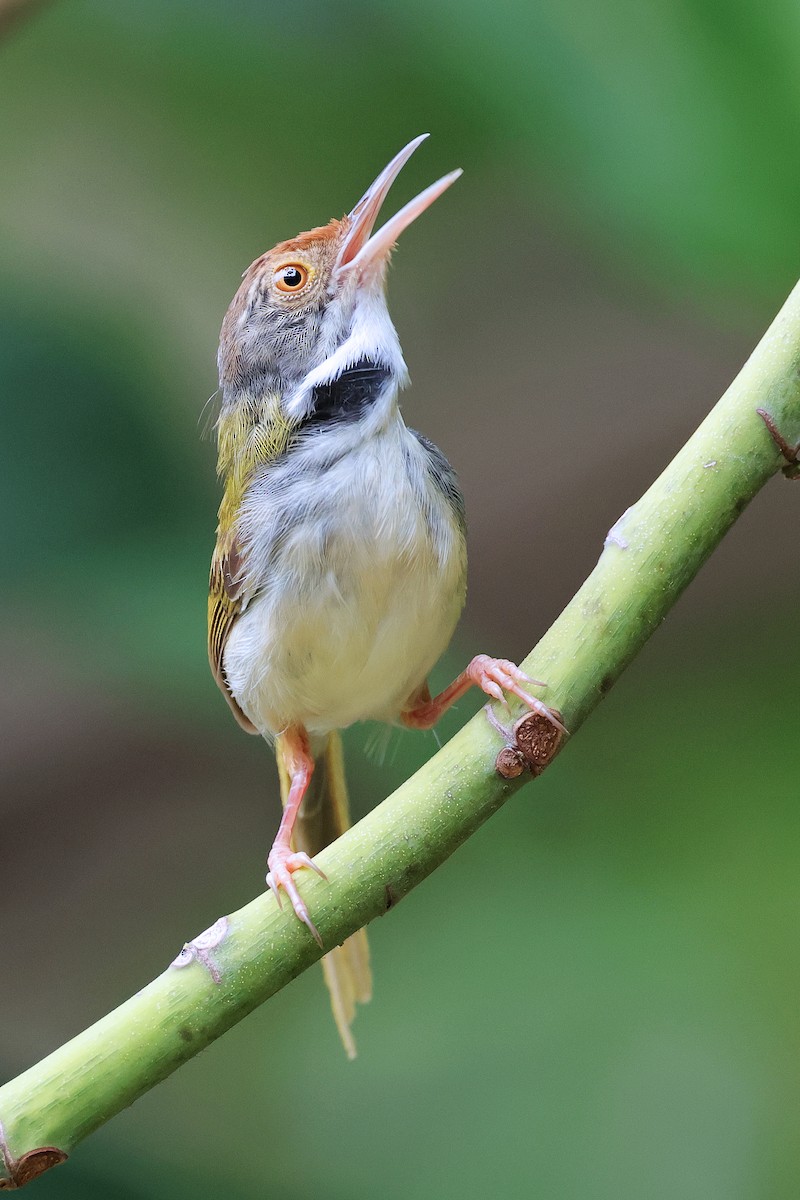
pixel 323 817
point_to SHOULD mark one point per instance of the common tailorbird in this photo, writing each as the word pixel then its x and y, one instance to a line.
pixel 339 571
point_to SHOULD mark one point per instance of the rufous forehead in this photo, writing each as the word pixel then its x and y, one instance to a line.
pixel 315 243
pixel 312 239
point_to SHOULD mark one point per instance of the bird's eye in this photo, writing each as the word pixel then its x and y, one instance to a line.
pixel 291 278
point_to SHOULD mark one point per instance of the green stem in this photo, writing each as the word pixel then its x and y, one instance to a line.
pixel 652 554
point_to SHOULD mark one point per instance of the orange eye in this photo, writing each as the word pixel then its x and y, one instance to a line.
pixel 291 278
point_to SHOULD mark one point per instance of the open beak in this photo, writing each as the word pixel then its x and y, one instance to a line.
pixel 366 253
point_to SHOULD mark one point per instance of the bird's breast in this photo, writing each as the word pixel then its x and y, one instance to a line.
pixel 355 575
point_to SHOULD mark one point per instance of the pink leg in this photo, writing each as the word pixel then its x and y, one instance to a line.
pixel 494 676
pixel 282 860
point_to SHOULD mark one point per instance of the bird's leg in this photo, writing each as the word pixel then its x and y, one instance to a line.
pixel 494 676
pixel 292 747
pixel 790 453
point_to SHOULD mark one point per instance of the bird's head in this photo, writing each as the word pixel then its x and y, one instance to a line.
pixel 315 306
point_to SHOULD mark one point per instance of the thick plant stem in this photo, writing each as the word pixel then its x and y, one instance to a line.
pixel 652 553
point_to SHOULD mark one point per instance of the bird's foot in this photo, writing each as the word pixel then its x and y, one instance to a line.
pixel 496 676
pixel 282 863
pixel 790 453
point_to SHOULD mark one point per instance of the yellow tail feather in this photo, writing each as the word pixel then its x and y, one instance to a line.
pixel 323 817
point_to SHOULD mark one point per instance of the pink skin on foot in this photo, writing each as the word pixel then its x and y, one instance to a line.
pixel 282 860
pixel 494 676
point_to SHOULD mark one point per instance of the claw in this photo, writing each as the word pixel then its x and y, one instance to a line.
pixel 548 713
pixel 501 729
pixel 273 887
pixel 282 863
pixel 304 861
pixel 529 678
pixel 494 675
pixel 538 707
pixel 313 930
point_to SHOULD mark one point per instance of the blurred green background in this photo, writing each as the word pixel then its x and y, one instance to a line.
pixel 597 997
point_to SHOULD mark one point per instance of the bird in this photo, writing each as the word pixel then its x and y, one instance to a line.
pixel 339 570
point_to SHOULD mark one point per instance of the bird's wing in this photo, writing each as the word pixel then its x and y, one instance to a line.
pixel 224 606
pixel 250 435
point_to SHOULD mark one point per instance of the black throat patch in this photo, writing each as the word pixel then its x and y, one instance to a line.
pixel 349 396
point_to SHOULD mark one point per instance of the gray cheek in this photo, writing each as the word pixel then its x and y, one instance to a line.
pixel 278 348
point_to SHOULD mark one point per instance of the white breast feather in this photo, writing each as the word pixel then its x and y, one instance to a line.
pixel 356 584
